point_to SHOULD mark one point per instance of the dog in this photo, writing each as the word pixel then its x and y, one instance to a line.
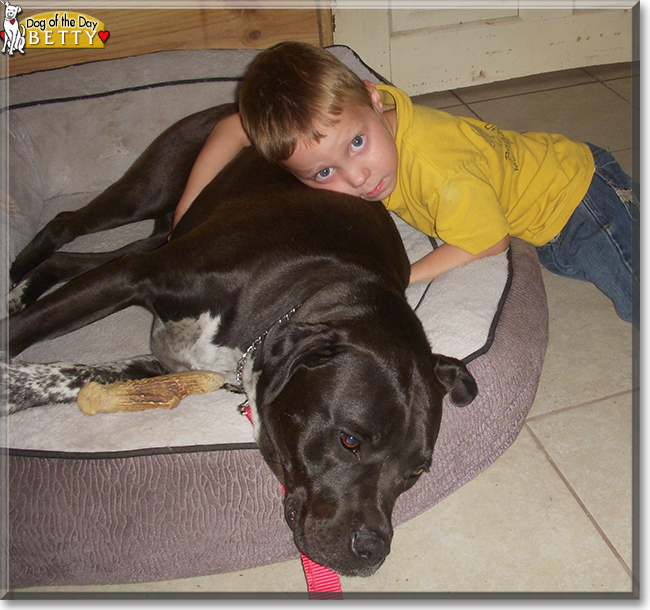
pixel 297 293
pixel 14 39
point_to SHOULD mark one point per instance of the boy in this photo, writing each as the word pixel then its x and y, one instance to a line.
pixel 464 181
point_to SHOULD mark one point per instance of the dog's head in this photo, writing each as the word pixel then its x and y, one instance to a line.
pixel 11 11
pixel 348 417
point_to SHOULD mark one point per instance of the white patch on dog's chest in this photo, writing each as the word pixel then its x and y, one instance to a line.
pixel 188 345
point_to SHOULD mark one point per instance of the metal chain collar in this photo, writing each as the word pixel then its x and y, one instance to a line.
pixel 253 346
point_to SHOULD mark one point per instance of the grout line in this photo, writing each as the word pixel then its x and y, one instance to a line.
pixel 464 104
pixel 585 69
pixel 581 404
pixel 531 92
pixel 476 114
pixel 614 91
pixel 453 92
pixel 582 505
pixel 604 79
pixel 468 104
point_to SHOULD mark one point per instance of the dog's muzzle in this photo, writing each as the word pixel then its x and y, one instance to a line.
pixel 348 549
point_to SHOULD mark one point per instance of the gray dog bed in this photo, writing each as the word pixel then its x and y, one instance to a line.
pixel 173 494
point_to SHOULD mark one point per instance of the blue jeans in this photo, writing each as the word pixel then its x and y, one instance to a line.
pixel 600 242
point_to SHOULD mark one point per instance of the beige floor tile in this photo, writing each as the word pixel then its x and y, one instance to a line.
pixel 592 447
pixel 515 527
pixel 589 112
pixel 625 159
pixel 589 355
pixel 610 71
pixel 622 86
pixel 526 84
pixel 437 99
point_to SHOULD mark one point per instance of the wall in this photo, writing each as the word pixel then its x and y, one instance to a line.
pixel 425 50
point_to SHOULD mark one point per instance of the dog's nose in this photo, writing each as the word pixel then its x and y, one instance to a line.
pixel 369 546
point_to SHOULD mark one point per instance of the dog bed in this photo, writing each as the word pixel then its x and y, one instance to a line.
pixel 158 495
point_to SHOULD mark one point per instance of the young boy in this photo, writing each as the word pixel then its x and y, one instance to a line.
pixel 459 179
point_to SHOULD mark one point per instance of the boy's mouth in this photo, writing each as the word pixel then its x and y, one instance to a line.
pixel 376 190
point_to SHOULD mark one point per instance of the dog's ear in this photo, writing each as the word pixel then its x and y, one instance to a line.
pixel 292 345
pixel 456 379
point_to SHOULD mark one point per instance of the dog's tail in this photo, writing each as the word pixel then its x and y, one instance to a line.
pixel 28 384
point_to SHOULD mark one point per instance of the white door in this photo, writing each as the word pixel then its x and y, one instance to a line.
pixel 422 50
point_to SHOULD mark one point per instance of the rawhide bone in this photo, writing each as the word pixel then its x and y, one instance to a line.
pixel 162 392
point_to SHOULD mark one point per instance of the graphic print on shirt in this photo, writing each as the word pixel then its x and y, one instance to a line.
pixel 498 139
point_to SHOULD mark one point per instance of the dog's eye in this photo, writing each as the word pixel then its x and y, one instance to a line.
pixel 350 442
pixel 418 472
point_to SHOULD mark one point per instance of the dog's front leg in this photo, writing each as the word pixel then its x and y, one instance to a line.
pixel 107 211
pixel 64 266
pixel 150 188
pixel 80 302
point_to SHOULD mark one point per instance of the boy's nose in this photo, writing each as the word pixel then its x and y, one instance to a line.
pixel 358 175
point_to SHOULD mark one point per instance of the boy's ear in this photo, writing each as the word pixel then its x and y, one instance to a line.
pixel 375 96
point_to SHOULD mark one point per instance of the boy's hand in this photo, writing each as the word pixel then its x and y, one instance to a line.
pixel 447 257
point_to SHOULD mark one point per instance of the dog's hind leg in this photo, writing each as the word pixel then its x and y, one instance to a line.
pixel 150 188
pixel 30 385
pixel 64 266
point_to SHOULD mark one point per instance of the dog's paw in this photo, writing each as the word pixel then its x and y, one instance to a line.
pixel 15 297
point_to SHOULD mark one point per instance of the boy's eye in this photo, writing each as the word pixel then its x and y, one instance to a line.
pixel 324 173
pixel 357 143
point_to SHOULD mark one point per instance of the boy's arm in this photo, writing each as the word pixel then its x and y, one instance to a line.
pixel 447 257
pixel 227 139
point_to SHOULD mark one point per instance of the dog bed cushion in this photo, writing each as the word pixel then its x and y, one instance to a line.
pixel 185 492
pixel 457 310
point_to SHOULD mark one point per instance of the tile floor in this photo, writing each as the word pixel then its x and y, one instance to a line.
pixel 555 513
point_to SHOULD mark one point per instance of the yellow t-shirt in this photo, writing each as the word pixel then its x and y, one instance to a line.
pixel 471 184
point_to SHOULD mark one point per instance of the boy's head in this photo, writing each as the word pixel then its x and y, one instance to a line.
pixel 291 93
pixel 303 108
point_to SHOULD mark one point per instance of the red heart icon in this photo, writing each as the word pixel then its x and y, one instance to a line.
pixel 2 35
pixel 12 21
pixel 104 35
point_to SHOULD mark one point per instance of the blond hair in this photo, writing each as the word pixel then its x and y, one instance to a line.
pixel 292 92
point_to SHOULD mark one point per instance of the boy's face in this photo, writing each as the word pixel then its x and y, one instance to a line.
pixel 356 156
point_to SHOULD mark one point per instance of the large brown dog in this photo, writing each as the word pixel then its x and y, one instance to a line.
pixel 300 292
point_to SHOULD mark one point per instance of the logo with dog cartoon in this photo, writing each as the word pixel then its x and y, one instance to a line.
pixel 54 30
pixel 14 39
